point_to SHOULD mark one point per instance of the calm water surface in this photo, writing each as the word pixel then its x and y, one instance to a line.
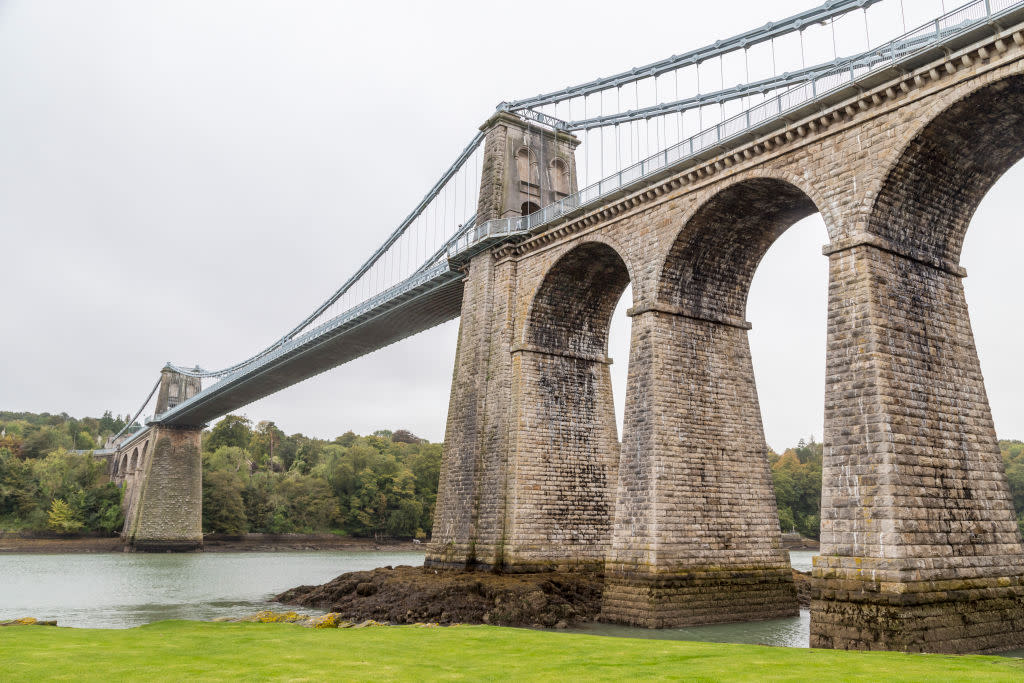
pixel 789 632
pixel 121 590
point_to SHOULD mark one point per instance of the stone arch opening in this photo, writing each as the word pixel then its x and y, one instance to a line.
pixel 567 468
pixel 134 462
pixel 528 207
pixel 711 264
pixel 693 441
pixel 573 306
pixel 929 196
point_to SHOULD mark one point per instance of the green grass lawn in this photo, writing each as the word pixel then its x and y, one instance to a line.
pixel 180 650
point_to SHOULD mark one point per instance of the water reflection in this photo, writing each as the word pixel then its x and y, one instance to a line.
pixel 801 559
pixel 788 632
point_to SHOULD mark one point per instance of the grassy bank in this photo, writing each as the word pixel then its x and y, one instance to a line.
pixel 193 650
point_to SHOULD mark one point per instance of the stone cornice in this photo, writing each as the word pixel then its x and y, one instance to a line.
pixel 593 358
pixel 691 312
pixel 877 242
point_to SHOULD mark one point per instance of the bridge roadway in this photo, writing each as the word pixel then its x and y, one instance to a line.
pixel 434 295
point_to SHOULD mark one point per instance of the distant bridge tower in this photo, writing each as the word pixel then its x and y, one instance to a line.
pixel 163 499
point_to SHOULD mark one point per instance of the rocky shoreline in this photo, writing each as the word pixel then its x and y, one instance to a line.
pixel 412 595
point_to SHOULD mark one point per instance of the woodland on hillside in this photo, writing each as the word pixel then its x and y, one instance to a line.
pixel 256 478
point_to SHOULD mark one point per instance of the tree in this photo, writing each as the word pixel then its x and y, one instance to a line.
pixel 233 430
pixel 265 438
pixel 257 499
pixel 43 441
pixel 405 436
pixel 223 510
pixel 346 439
pixel 62 518
pixel 100 508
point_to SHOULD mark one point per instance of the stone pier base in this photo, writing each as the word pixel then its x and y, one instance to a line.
pixel 952 616
pixel 700 596
pixel 168 513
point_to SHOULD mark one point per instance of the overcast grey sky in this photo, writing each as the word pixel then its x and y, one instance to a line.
pixel 185 180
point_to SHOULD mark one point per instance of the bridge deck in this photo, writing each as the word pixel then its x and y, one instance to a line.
pixel 434 295
pixel 434 298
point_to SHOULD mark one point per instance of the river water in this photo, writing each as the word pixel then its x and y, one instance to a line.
pixel 121 590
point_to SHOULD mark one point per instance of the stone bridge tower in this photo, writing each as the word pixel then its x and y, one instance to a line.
pixel 525 167
pixel 163 500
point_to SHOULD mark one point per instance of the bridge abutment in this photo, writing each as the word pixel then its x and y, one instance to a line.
pixel 163 499
pixel 166 514
pixel 919 543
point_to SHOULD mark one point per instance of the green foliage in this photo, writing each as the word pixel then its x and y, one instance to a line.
pixel 231 431
pixel 380 485
pixel 62 517
pixel 100 507
pixel 796 475
pixel 223 510
pixel 61 490
pixel 32 435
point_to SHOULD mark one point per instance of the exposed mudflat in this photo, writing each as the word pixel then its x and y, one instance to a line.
pixel 409 595
pixel 212 543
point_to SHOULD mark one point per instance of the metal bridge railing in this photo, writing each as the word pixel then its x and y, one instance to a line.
pixel 422 277
pixel 943 27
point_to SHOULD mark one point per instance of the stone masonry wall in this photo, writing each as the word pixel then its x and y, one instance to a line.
pixel 168 514
pixel 919 549
pixel 696 537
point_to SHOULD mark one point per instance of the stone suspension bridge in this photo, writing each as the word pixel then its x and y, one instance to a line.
pixel 676 177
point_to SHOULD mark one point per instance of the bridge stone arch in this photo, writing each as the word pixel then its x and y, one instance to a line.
pixel 962 143
pixel 567 449
pixel 928 515
pixel 598 269
pixel 711 262
pixel 133 463
pixel 695 505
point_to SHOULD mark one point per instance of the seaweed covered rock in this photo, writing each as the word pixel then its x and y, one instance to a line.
pixel 409 595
